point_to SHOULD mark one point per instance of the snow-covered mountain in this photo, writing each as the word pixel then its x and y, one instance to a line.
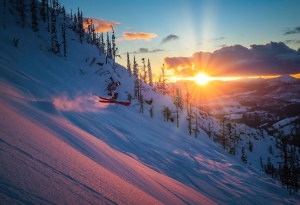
pixel 284 79
pixel 58 145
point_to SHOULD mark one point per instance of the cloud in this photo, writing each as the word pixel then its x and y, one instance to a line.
pixel 100 25
pixel 292 31
pixel 292 41
pixel 217 39
pixel 270 59
pixel 170 37
pixel 128 36
pixel 146 50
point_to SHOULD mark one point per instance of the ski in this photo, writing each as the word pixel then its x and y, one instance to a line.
pixel 107 100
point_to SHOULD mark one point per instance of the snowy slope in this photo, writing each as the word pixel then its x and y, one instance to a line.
pixel 58 146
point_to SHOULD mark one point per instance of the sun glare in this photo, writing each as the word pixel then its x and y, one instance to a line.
pixel 202 78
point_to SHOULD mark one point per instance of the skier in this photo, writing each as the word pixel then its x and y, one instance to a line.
pixel 111 89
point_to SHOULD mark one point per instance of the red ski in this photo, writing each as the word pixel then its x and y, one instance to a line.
pixel 107 100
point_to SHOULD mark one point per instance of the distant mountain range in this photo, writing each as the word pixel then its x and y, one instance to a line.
pixel 256 101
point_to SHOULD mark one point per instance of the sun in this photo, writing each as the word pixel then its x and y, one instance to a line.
pixel 202 78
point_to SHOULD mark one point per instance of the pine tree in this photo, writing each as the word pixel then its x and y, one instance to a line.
pixel 189 110
pixel 94 35
pixel 144 76
pixel 150 74
pixel 231 138
pixel 79 27
pixel 4 13
pixel 178 104
pixel 209 130
pixel 128 65
pixel 89 30
pixel 75 24
pixel 102 44
pixel 63 32
pixel 223 139
pixel 48 15
pixel 54 41
pixel 141 100
pixel 71 15
pixel 21 9
pixel 108 47
pixel 244 157
pixel 114 46
pixel 55 4
pixel 294 167
pixel 282 144
pixel 270 169
pixel 289 168
pixel 92 39
pixel 163 79
pixel 136 78
pixel 43 9
pixel 34 20
pixel 189 119
pixel 250 146
pixel 151 112
pixel 167 114
pixel 196 125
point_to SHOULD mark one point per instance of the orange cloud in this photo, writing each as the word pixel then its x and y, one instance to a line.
pixel 127 36
pixel 274 58
pixel 100 25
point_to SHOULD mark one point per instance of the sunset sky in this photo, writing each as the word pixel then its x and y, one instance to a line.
pixel 220 37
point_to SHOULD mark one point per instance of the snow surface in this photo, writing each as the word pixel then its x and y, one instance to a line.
pixel 59 146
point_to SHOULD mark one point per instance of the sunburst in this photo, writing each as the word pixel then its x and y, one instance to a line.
pixel 202 78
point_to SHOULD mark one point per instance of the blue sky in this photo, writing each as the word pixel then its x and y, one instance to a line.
pixel 199 25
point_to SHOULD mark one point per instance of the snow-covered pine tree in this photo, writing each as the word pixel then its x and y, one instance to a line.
pixel 150 73
pixel 34 19
pixel 129 65
pixel 108 47
pixel 55 4
pixel 91 32
pixel 102 44
pixel 94 35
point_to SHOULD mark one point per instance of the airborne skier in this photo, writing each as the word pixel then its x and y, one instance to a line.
pixel 111 89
